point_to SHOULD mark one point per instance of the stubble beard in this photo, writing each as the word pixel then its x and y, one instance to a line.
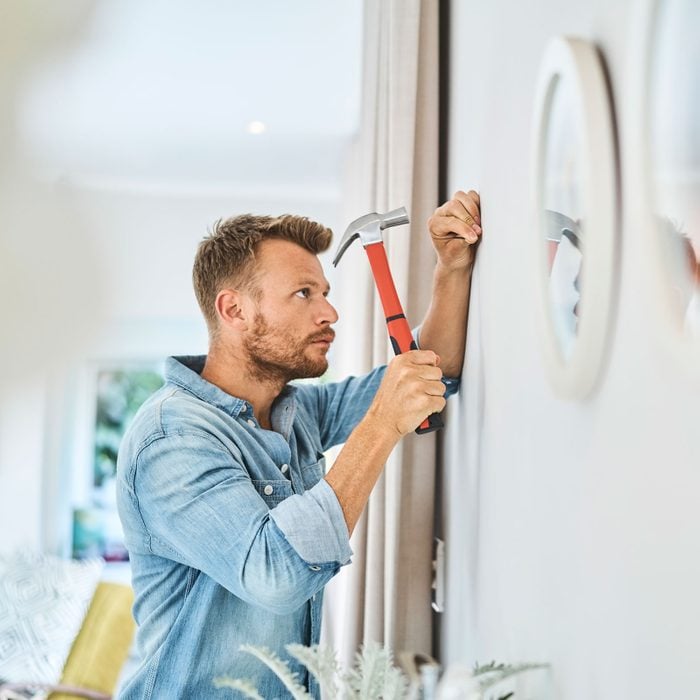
pixel 278 358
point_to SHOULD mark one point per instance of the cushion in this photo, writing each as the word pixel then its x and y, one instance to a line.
pixel 43 601
pixel 101 648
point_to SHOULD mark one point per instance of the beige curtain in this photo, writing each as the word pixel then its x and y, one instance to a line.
pixel 385 594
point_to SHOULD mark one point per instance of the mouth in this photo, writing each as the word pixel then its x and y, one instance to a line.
pixel 324 340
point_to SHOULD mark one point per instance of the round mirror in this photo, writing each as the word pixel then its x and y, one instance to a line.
pixel 674 152
pixel 575 212
pixel 562 201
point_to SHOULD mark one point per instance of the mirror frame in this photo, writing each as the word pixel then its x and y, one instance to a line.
pixel 579 62
pixel 681 348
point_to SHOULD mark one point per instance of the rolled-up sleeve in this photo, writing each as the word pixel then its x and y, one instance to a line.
pixel 314 525
pixel 200 507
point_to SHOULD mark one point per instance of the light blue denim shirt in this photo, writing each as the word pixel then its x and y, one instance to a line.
pixel 231 529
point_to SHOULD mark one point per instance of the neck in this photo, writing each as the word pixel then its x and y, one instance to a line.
pixel 233 373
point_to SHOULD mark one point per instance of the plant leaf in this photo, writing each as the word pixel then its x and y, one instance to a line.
pixel 280 668
pixel 243 686
pixel 494 674
pixel 322 663
pixel 374 669
pixel 395 685
pixel 368 672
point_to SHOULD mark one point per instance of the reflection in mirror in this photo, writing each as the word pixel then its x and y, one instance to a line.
pixel 563 205
pixel 675 152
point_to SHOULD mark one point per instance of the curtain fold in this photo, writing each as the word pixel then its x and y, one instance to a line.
pixel 385 594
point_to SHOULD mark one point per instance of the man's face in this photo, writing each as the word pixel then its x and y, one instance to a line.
pixel 291 332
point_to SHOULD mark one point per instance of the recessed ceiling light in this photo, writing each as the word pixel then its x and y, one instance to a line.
pixel 256 127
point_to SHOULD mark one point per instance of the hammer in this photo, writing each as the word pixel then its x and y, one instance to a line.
pixel 369 229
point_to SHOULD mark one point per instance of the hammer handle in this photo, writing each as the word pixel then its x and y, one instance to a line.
pixel 399 331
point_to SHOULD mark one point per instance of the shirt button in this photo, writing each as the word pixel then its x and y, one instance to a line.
pixel 251 422
pixel 268 490
pixel 315 568
pixel 284 468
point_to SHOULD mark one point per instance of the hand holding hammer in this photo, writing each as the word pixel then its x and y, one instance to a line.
pixel 369 229
pixel 455 230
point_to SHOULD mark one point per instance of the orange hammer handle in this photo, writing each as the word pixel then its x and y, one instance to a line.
pixel 399 331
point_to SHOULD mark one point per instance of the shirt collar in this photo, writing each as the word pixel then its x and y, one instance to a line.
pixel 185 371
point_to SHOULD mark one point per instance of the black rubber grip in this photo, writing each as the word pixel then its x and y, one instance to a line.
pixel 397 349
pixel 434 423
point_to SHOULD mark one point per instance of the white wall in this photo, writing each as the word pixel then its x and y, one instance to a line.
pixel 571 527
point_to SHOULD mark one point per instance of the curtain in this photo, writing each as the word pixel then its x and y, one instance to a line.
pixel 385 594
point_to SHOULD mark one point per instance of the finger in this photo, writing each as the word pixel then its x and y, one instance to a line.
pixel 423 357
pixel 437 404
pixel 473 212
pixel 450 227
pixel 430 373
pixel 435 388
pixel 457 209
pixel 468 198
pixel 471 202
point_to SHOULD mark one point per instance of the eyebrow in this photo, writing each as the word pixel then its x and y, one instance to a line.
pixel 312 283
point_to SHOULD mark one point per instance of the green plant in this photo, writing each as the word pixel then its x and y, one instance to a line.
pixel 120 393
pixel 373 676
pixel 489 675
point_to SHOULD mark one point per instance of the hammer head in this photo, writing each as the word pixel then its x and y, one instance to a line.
pixel 368 229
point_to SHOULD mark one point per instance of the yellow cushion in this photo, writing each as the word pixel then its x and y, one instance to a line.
pixel 102 645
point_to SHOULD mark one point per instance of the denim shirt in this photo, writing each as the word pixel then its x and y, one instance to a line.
pixel 231 529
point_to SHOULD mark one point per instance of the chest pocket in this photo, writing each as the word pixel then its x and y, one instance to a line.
pixel 273 491
pixel 314 472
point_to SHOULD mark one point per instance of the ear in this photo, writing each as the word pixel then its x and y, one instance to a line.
pixel 230 309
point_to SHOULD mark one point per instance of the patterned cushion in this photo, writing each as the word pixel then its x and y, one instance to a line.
pixel 43 600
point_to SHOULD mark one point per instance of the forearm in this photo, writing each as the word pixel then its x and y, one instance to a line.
pixel 359 465
pixel 444 327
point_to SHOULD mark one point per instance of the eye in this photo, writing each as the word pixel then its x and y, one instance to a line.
pixel 304 293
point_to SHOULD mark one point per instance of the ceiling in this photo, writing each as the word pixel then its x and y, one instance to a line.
pixel 162 93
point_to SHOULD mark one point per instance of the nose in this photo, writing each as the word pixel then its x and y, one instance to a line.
pixel 328 314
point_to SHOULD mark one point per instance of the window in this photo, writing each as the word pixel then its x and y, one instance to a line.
pixel 119 391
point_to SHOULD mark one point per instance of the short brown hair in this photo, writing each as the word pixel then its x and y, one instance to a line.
pixel 227 255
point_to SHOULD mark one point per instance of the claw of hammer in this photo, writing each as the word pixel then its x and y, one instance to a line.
pixel 368 229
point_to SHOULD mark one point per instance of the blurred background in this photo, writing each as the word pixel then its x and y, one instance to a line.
pixel 128 129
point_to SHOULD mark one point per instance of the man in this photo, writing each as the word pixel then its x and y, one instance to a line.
pixel 232 527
